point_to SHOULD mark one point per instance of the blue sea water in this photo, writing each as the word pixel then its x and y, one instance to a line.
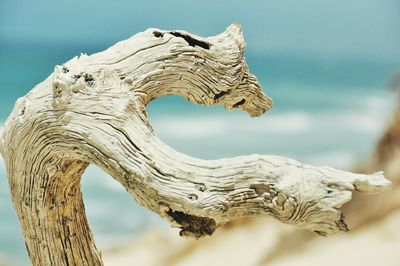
pixel 326 112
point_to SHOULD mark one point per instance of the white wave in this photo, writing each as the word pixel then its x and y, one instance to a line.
pixel 214 126
pixel 342 159
pixel 368 116
pixel 382 103
pixel 2 166
pixel 350 122
pixel 294 123
pixel 190 127
pixel 367 123
pixel 289 123
pixel 1 131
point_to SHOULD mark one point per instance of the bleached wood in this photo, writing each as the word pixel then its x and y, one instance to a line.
pixel 92 110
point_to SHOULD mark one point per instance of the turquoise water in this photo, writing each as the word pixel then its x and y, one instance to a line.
pixel 325 112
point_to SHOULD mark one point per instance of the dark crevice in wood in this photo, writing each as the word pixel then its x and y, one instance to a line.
pixel 222 93
pixel 158 34
pixel 193 225
pixel 65 69
pixel 191 41
pixel 239 103
pixel 260 189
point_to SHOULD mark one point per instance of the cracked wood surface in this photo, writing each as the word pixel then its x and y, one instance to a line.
pixel 92 110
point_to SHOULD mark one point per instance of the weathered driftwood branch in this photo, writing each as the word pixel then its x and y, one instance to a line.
pixel 92 110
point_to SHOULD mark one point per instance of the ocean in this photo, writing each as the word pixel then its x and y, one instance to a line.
pixel 326 112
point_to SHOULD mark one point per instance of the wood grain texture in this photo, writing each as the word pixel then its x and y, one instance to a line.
pixel 92 110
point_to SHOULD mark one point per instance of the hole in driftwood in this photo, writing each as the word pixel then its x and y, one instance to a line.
pixel 222 93
pixel 201 187
pixel 193 225
pixel 65 69
pixel 190 40
pixel 158 34
pixel 193 197
pixel 89 78
pixel 260 189
pixel 239 103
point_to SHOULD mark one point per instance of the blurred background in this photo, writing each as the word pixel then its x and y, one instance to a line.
pixel 328 66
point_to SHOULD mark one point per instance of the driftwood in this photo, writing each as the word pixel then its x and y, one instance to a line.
pixel 92 110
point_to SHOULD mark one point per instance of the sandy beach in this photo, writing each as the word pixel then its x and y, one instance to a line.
pixel 266 242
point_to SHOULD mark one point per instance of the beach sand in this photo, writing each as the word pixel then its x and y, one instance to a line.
pixel 266 242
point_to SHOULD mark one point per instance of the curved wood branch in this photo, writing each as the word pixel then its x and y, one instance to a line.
pixel 92 110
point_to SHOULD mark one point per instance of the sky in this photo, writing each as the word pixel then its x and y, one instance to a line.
pixel 361 29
